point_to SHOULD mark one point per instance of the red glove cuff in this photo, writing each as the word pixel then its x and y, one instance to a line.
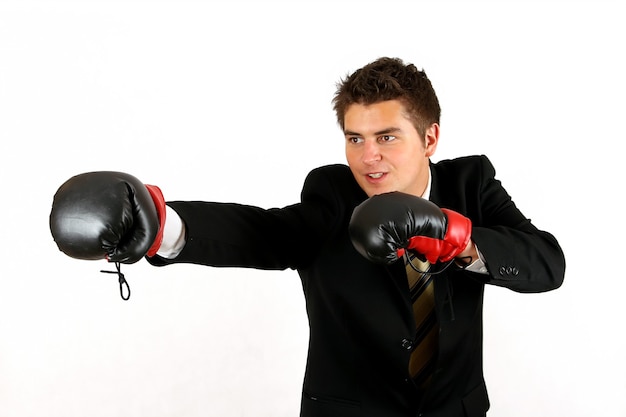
pixel 159 202
pixel 458 234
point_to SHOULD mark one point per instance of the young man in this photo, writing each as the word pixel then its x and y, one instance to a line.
pixel 350 238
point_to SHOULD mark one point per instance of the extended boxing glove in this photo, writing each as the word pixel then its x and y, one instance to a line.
pixel 107 215
pixel 385 225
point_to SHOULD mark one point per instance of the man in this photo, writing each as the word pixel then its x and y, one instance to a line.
pixel 351 238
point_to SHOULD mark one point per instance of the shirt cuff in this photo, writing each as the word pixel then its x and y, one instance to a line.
pixel 478 265
pixel 173 235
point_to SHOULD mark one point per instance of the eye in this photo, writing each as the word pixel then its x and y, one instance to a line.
pixel 355 139
pixel 386 138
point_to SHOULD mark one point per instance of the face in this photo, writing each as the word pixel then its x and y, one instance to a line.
pixel 384 150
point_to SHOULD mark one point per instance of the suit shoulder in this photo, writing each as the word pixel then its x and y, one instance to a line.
pixel 335 173
pixel 331 169
pixel 334 179
pixel 465 165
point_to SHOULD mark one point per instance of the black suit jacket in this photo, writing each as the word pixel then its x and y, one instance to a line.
pixel 361 325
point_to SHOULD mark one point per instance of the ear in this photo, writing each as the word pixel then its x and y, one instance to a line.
pixel 431 139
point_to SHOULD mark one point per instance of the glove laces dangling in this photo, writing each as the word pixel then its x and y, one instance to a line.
pixel 428 271
pixel 121 280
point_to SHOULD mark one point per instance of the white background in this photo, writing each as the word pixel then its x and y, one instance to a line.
pixel 230 101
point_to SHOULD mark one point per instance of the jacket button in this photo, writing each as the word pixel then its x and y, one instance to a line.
pixel 407 344
pixel 502 270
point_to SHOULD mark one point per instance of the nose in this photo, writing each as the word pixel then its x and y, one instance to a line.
pixel 371 153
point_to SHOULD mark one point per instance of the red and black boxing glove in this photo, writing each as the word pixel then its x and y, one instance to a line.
pixel 108 215
pixel 384 226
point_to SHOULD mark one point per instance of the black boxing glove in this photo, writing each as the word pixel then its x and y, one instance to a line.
pixel 107 215
pixel 385 225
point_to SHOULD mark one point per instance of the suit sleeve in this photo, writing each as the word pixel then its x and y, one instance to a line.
pixel 236 235
pixel 517 254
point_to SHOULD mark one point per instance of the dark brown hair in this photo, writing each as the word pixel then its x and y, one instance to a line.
pixel 390 79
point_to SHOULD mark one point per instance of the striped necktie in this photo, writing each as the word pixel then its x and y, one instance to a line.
pixel 423 356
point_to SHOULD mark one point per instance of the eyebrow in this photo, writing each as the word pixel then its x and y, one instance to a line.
pixel 380 132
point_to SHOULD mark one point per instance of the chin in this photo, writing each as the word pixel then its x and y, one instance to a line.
pixel 377 191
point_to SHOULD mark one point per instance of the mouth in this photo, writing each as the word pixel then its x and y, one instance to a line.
pixel 375 177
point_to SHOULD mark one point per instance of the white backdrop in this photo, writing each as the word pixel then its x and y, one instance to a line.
pixel 230 101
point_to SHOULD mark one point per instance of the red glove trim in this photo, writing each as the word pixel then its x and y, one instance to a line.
pixel 458 234
pixel 159 202
pixel 430 247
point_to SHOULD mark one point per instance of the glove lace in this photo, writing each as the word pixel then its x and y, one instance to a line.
pixel 429 271
pixel 122 280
